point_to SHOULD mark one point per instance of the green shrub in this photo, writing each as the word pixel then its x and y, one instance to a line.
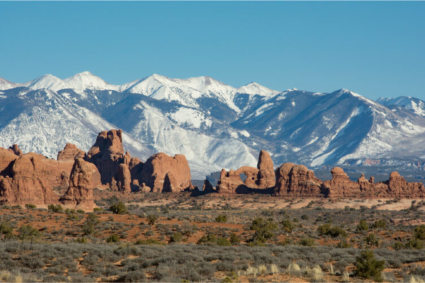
pixel 234 239
pixel 6 231
pixel 415 243
pixel 90 224
pixel 118 208
pixel 380 224
pixel 420 232
pixel 221 218
pixel 372 240
pixel 114 238
pixel 329 230
pixel 30 206
pixel 176 237
pixel 367 267
pixel 264 229
pixel 306 242
pixel 152 219
pixel 287 225
pixel 362 226
pixel 27 232
pixel 55 208
pixel 344 244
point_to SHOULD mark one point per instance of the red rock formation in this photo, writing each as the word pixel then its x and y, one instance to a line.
pixel 124 178
pixel 6 158
pixel 16 150
pixel 396 187
pixel 266 175
pixel 296 181
pixel 31 180
pixel 260 178
pixel 163 173
pixel 108 154
pixel 70 152
pixel 84 178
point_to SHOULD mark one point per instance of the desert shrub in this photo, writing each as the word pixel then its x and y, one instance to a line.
pixel 234 239
pixel 363 225
pixel 90 224
pixel 152 219
pixel 114 238
pixel 371 240
pixel 420 232
pixel 306 242
pixel 414 243
pixel 287 225
pixel 221 218
pixel 344 244
pixel 6 231
pixel 27 232
pixel 368 267
pixel 264 229
pixel 211 239
pixel 30 206
pixel 379 224
pixel 398 246
pixel 329 230
pixel 118 208
pixel 176 237
pixel 55 208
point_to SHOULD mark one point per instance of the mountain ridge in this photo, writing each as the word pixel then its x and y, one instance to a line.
pixel 212 123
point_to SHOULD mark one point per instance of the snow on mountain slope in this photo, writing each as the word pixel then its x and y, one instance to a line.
pixel 183 91
pixel 79 82
pixel 409 103
pixel 329 128
pixel 167 128
pixel 255 88
pixel 43 121
pixel 5 84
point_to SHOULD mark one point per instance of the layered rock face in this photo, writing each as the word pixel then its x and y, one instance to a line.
pixel 163 173
pixel 296 181
pixel 84 178
pixel 255 179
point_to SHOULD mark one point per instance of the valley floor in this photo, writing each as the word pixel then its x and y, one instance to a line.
pixel 240 238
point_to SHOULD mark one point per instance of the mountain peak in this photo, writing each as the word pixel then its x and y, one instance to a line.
pixel 255 88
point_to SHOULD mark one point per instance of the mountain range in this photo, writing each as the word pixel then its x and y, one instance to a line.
pixel 214 124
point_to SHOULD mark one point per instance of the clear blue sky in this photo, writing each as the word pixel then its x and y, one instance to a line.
pixel 376 49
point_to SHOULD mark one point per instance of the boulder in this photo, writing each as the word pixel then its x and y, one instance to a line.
pixel 83 179
pixel 163 173
pixel 70 152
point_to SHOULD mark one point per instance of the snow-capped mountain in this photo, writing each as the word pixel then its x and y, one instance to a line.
pixel 412 104
pixel 215 125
